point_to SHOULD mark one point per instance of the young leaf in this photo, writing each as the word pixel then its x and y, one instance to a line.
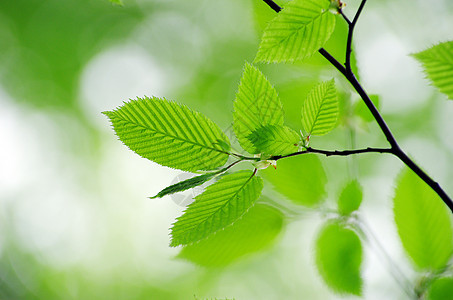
pixel 350 198
pixel 423 223
pixel 297 32
pixel 438 64
pixel 339 258
pixel 256 230
pixel 256 105
pixel 221 204
pixel 170 134
pixel 275 140
pixel 320 111
pixel 302 179
pixel 184 185
pixel 441 289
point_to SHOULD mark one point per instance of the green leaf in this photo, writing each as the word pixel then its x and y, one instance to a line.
pixel 184 185
pixel 221 204
pixel 339 259
pixel 297 32
pixel 256 230
pixel 301 179
pixel 320 111
pixel 170 134
pixel 441 289
pixel 256 105
pixel 275 140
pixel 350 198
pixel 438 64
pixel 423 222
pixel 118 2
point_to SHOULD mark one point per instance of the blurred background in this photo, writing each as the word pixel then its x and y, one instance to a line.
pixel 75 220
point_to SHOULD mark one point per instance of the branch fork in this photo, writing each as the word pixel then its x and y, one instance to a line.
pixel 346 70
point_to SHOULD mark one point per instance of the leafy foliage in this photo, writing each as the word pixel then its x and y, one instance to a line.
pixel 184 185
pixel 302 179
pixel 256 230
pixel 339 259
pixel 275 140
pixel 438 64
pixel 320 111
pixel 423 223
pixel 350 198
pixel 441 289
pixel 297 32
pixel 256 105
pixel 224 224
pixel 221 204
pixel 170 134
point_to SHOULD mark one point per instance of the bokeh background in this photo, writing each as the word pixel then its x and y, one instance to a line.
pixel 75 220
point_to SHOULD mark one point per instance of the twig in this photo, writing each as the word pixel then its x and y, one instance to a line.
pixel 351 33
pixel 345 17
pixel 349 75
pixel 273 5
pixel 333 153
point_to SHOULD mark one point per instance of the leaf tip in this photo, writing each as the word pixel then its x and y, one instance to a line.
pixel 107 113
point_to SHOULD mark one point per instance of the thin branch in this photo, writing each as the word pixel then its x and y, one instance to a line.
pixel 425 177
pixel 372 108
pixel 334 153
pixel 351 33
pixel 273 5
pixel 349 75
pixel 333 61
pixel 345 17
pixel 396 150
pixel 349 152
pixel 230 166
pixel 242 157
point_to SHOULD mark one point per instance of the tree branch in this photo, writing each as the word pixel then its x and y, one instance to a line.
pixel 345 17
pixel 333 61
pixel 334 153
pixel 425 177
pixel 372 108
pixel 273 5
pixel 351 33
pixel 349 75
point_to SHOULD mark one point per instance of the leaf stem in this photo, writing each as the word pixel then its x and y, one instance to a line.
pixel 242 157
pixel 230 166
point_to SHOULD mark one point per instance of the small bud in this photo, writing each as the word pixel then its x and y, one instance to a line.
pixel 336 6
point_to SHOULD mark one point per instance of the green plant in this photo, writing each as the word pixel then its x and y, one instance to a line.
pixel 230 211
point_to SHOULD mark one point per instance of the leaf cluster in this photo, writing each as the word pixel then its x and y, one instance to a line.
pixel 225 222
